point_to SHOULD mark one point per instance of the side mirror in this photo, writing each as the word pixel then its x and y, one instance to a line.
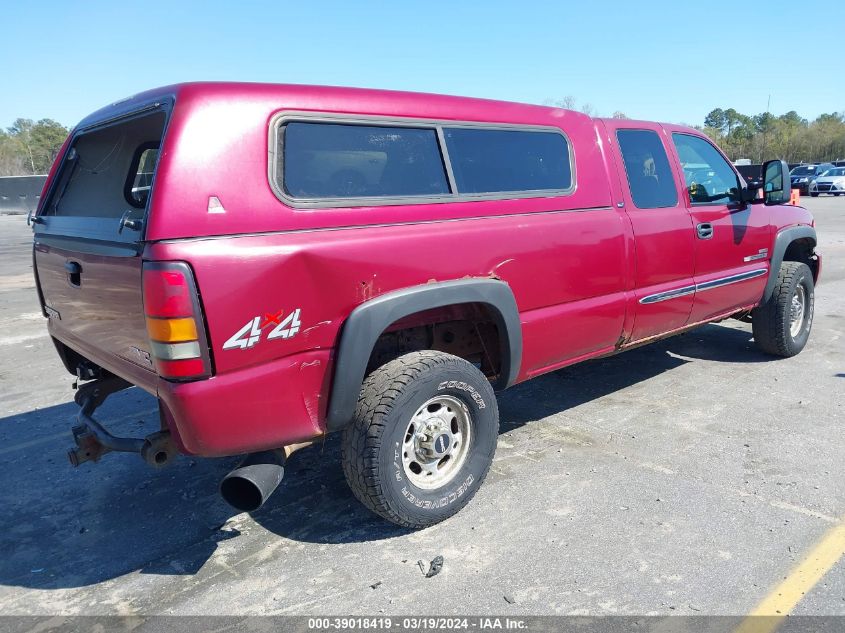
pixel 750 191
pixel 776 185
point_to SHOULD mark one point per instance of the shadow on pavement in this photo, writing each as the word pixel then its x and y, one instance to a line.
pixel 66 527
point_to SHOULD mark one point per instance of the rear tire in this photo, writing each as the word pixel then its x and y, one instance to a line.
pixel 422 439
pixel 782 325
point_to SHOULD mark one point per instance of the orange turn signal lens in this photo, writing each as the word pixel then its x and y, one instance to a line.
pixel 172 330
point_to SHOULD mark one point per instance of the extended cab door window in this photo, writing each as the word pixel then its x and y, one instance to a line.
pixel 662 229
pixel 647 167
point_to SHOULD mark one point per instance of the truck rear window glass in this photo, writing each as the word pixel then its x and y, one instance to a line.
pixel 647 167
pixel 140 178
pixel 497 160
pixel 333 160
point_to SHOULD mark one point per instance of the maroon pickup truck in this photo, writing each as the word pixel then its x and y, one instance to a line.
pixel 274 263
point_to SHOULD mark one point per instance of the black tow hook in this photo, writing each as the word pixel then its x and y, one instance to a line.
pixel 93 440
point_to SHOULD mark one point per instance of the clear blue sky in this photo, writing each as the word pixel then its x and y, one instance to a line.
pixel 670 61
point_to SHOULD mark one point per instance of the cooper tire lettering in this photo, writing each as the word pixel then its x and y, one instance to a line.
pixel 472 391
pixel 397 436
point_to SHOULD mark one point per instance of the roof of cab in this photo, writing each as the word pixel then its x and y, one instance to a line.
pixel 635 122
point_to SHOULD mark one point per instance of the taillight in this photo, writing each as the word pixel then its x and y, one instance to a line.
pixel 174 321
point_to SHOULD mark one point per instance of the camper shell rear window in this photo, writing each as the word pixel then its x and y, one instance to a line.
pixel 334 161
pixel 105 179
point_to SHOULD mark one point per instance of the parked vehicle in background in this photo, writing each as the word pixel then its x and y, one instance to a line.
pixel 803 175
pixel 274 263
pixel 831 181
pixel 753 174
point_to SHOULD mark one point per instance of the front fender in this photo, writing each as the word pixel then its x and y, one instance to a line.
pixel 782 241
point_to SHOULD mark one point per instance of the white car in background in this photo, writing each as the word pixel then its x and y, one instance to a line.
pixel 831 181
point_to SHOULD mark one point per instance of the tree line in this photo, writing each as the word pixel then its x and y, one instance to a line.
pixel 788 136
pixel 29 147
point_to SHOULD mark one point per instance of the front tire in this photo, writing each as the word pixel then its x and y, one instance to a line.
pixel 782 325
pixel 422 439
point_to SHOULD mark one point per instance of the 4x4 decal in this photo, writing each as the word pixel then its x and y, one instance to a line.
pixel 250 334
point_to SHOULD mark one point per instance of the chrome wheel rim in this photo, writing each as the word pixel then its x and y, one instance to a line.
pixel 436 442
pixel 797 310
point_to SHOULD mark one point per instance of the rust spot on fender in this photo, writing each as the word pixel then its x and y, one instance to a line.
pixel 366 289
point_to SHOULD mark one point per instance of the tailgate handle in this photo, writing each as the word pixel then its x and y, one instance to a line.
pixel 74 272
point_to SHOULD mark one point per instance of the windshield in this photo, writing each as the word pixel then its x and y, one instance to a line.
pixel 804 170
pixel 839 171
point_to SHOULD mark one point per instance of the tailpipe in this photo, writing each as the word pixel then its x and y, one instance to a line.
pixel 248 486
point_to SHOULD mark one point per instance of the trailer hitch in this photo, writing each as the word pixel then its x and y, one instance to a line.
pixel 93 440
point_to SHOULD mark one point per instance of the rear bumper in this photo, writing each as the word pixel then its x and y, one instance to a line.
pixel 256 408
pixel 253 409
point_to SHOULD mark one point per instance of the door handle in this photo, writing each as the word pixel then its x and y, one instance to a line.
pixel 74 273
pixel 704 231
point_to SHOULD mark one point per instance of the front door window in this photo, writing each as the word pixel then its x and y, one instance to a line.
pixel 709 178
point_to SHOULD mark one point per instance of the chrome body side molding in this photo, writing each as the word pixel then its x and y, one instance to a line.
pixel 669 294
pixel 707 285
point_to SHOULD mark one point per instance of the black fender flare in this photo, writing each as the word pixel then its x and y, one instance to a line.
pixel 782 241
pixel 367 322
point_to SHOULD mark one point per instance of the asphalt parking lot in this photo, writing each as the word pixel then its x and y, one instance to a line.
pixel 687 477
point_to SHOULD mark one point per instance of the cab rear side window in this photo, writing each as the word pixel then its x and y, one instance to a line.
pixel 648 170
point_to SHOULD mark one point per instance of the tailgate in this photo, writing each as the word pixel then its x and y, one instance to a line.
pixel 100 315
pixel 88 243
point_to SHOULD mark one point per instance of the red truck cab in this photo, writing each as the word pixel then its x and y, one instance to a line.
pixel 276 262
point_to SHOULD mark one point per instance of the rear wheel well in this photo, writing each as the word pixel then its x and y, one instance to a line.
pixel 801 250
pixel 466 330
